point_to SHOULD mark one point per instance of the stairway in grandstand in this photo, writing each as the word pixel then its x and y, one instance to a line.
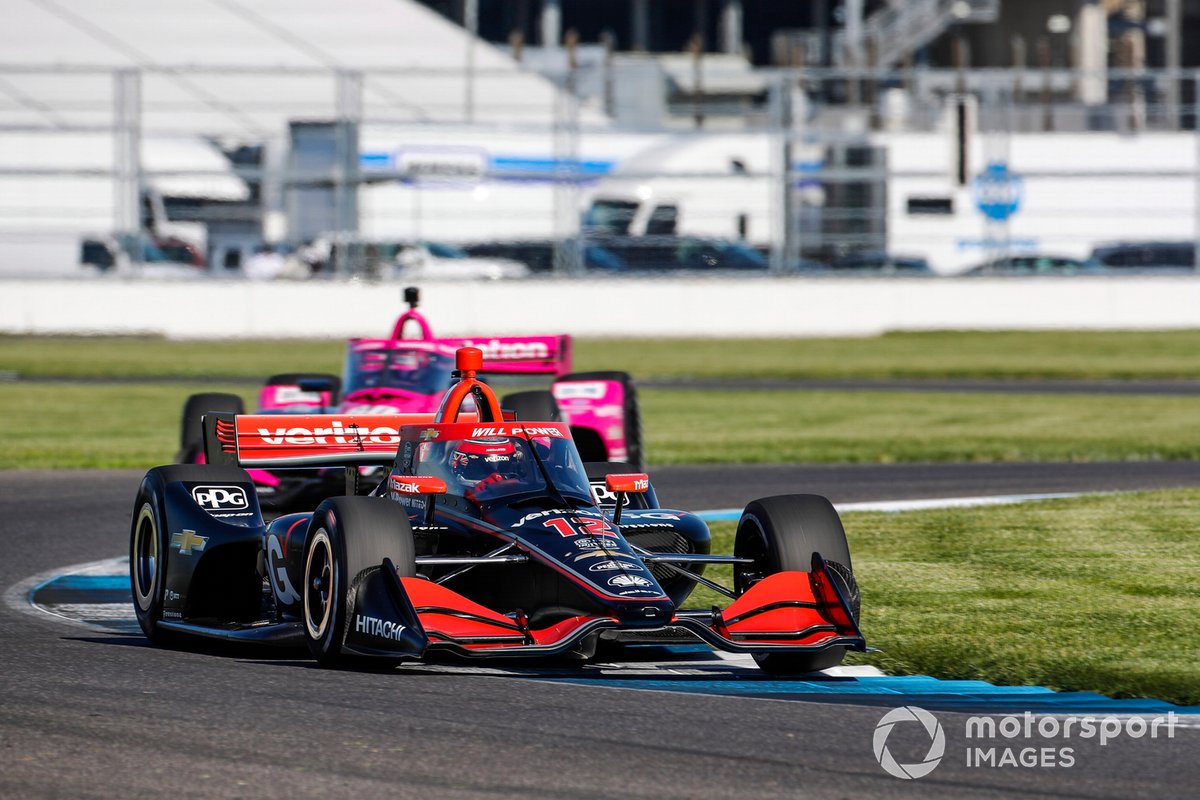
pixel 904 26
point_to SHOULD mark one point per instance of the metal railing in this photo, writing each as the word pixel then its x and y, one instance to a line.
pixel 816 173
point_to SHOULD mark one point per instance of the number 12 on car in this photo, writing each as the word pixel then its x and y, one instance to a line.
pixel 581 527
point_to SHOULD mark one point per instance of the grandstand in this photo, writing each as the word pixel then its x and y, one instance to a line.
pixel 210 76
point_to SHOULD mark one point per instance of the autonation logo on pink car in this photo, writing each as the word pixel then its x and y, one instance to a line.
pixel 511 351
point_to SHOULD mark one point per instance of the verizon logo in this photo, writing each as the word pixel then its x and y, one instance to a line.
pixel 510 351
pixel 335 434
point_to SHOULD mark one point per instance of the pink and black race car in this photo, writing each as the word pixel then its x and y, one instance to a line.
pixel 408 373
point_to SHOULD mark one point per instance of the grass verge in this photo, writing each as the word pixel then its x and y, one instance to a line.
pixel 939 354
pixel 880 427
pixel 48 426
pixel 1096 593
pixel 136 425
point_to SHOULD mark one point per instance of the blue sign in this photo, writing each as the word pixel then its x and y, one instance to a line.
pixel 997 191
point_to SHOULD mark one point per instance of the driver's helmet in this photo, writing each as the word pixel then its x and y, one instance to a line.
pixel 473 460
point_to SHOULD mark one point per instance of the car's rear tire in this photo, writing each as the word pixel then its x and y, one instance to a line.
pixel 348 536
pixel 191 436
pixel 536 406
pixel 148 564
pixel 781 533
pixel 635 450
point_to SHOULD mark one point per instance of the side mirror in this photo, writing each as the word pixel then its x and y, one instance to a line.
pixel 315 385
pixel 635 482
pixel 413 485
pixel 416 484
pixel 623 483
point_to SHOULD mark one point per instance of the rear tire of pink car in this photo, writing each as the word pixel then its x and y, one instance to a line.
pixel 635 452
pixel 536 406
pixel 191 436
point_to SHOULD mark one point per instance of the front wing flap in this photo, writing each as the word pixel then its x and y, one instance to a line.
pixel 405 617
pixel 792 611
pixel 394 617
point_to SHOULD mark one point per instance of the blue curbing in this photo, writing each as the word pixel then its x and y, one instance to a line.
pixel 921 690
pixel 927 692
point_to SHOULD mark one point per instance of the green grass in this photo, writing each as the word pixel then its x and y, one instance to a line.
pixel 92 425
pixel 939 354
pixel 882 427
pixel 1096 593
pixel 135 356
pixel 51 425
pixel 942 354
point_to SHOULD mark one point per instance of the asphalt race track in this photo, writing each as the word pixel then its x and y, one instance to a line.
pixel 85 713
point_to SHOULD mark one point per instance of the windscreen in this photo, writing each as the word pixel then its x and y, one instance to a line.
pixel 489 469
pixel 610 216
pixel 419 371
pixel 441 250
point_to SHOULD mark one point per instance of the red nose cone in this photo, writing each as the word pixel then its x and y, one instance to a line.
pixel 469 359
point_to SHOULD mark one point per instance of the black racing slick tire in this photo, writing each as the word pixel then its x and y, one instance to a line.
pixel 148 562
pixel 781 533
pixel 191 436
pixel 634 442
pixel 347 537
pixel 149 540
pixel 538 406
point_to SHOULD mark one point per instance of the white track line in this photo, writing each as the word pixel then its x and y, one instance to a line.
pixel 899 506
pixel 20 596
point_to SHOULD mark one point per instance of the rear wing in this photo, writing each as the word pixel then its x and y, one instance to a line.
pixel 267 441
pixel 520 355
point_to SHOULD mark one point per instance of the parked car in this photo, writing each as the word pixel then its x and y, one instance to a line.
pixel 878 261
pixel 1152 256
pixel 635 254
pixel 659 253
pixel 157 257
pixel 1038 264
pixel 433 260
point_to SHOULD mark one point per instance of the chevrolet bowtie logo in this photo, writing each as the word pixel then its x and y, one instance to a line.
pixel 187 542
pixel 430 433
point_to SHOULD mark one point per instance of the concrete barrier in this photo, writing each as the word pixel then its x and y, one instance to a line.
pixel 728 307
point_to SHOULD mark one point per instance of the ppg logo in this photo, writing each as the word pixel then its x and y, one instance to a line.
pixel 606 499
pixel 221 498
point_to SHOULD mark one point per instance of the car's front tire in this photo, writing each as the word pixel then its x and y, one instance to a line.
pixel 348 536
pixel 781 534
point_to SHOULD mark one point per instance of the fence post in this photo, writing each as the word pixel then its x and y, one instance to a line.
pixel 785 247
pixel 346 172
pixel 127 161
pixel 568 247
pixel 471 23
pixel 1196 172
